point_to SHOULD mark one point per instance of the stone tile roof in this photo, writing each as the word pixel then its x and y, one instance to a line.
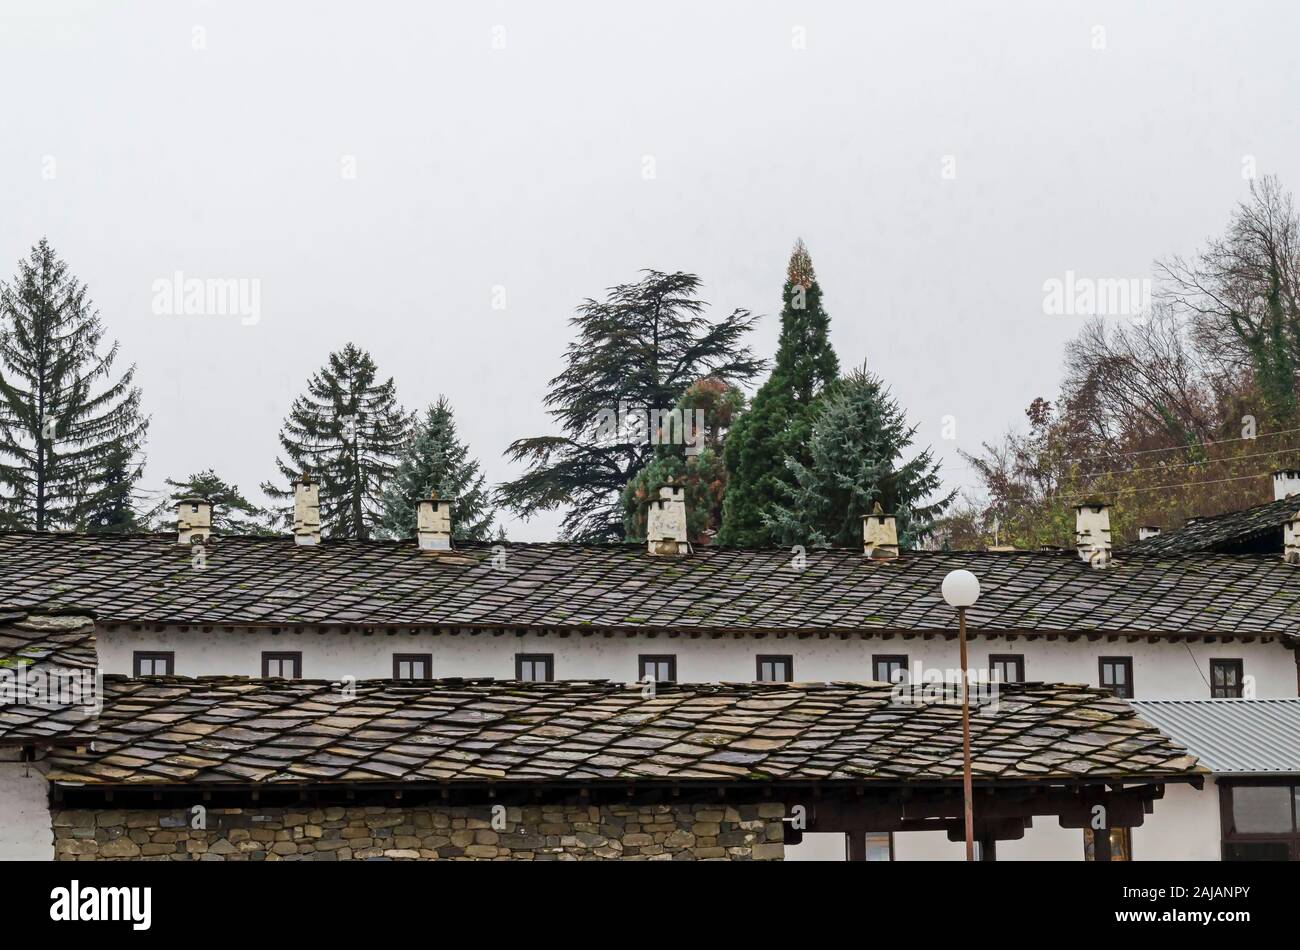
pixel 213 730
pixel 1257 528
pixel 39 702
pixel 271 581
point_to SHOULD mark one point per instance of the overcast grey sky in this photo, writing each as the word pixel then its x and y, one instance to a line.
pixel 521 167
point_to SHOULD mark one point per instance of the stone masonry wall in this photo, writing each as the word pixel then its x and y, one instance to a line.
pixel 425 832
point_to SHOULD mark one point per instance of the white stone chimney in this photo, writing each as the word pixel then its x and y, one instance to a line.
pixel 1286 482
pixel 1291 539
pixel 433 523
pixel 879 535
pixel 665 529
pixel 1148 531
pixel 193 520
pixel 1092 532
pixel 306 511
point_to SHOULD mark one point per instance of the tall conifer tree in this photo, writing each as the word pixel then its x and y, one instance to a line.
pixel 855 450
pixel 437 464
pixel 636 350
pixel 232 513
pixel 778 422
pixel 346 431
pixel 71 432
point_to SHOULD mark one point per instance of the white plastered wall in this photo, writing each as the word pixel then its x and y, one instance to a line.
pixel 25 830
pixel 1160 670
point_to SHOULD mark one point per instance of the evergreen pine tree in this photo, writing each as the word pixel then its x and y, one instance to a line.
pixel 112 509
pixel 637 350
pixel 232 513
pixel 436 464
pixel 858 435
pixel 70 432
pixel 346 432
pixel 777 424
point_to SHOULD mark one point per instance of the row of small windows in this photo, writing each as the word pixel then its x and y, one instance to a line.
pixel 1114 672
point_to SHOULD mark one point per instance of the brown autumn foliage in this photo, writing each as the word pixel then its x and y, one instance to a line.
pixel 1184 413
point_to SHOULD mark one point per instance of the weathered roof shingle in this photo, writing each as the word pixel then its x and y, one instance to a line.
pixel 1253 529
pixel 271 581
pixel 47 678
pixel 222 730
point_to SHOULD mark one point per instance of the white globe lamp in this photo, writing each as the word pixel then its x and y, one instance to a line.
pixel 961 589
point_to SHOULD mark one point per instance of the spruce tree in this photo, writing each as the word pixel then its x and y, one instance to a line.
pixel 112 508
pixel 346 431
pixel 636 352
pixel 777 424
pixel 232 513
pixel 71 431
pixel 437 464
pixel 857 439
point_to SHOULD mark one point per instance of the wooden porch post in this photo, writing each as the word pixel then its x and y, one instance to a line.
pixel 1101 844
pixel 857 845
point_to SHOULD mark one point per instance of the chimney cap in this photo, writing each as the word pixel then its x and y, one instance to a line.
pixel 193 500
pixel 1286 483
pixel 434 499
pixel 878 512
pixel 1092 503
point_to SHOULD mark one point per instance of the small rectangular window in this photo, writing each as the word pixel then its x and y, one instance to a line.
pixel 889 668
pixel 1116 675
pixel 154 664
pixel 776 669
pixel 535 667
pixel 1225 679
pixel 1260 821
pixel 658 668
pixel 412 666
pixel 1007 667
pixel 286 666
pixel 1262 810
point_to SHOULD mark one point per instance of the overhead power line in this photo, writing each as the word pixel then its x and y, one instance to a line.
pixel 1180 448
pixel 1134 491
pixel 1159 468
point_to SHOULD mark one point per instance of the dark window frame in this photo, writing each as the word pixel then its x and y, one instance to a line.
pixel 656 658
pixel 547 659
pixel 1127 663
pixel 1016 659
pixel 1228 834
pixel 400 658
pixel 890 658
pixel 774 658
pixel 154 656
pixel 293 656
pixel 1239 667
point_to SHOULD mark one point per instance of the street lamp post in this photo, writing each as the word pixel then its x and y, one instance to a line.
pixel 961 589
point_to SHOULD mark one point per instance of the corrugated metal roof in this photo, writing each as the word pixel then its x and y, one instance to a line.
pixel 1231 736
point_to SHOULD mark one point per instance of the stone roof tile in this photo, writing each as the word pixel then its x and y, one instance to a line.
pixel 266 732
pixel 271 581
